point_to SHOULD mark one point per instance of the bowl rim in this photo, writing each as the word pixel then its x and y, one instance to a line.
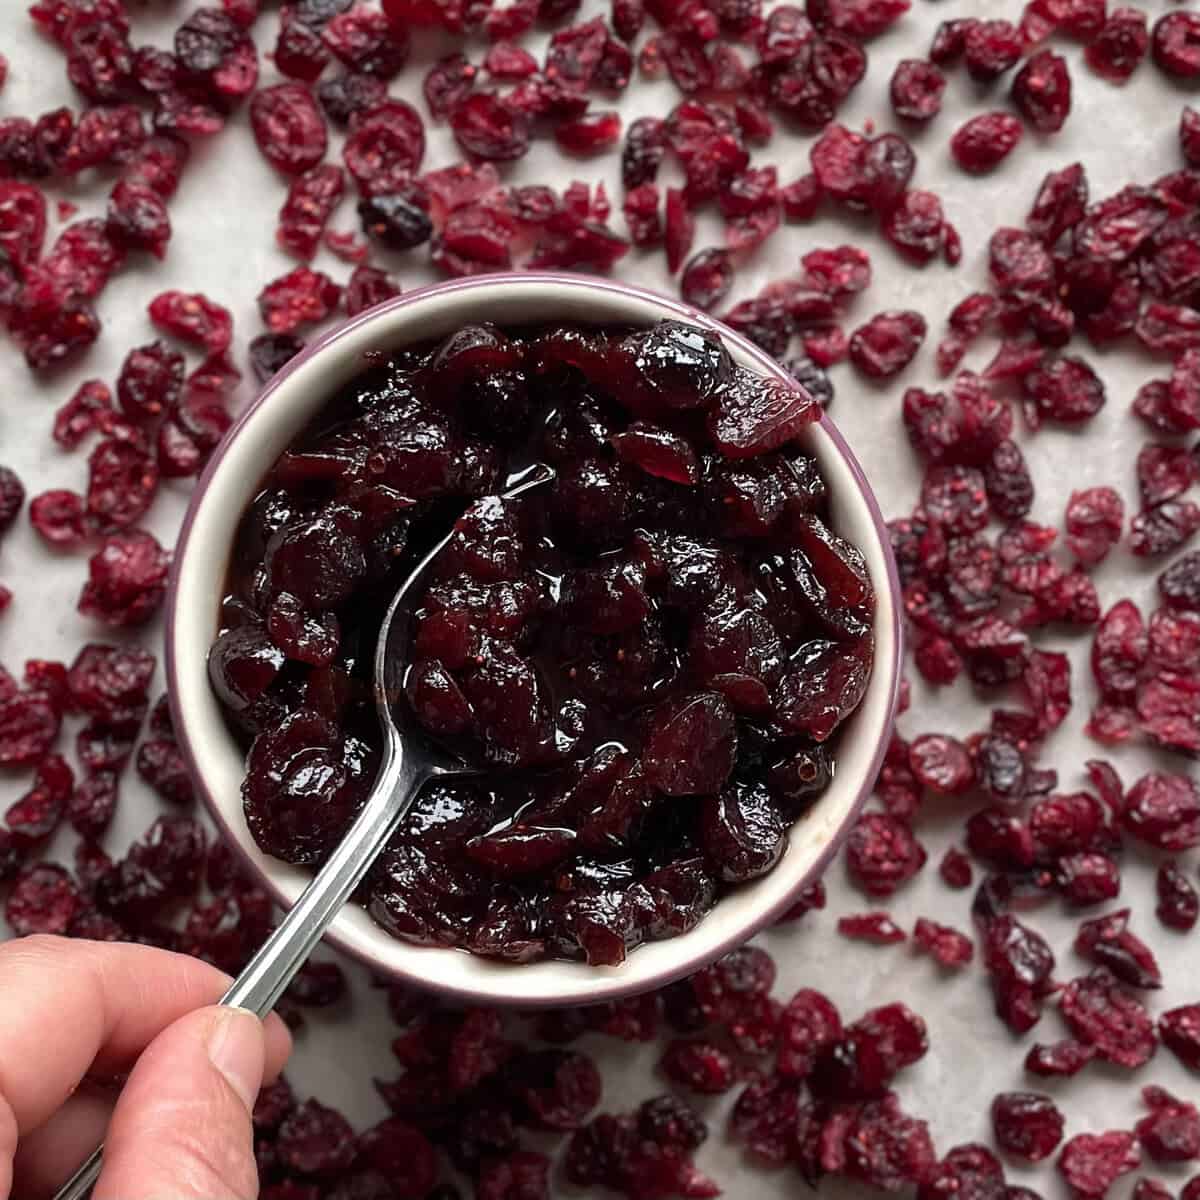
pixel 636 984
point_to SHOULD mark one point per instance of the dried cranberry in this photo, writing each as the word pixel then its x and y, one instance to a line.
pixel 1027 1125
pixel 1164 811
pixel 122 481
pixel 1178 903
pixel 887 343
pixel 314 1139
pixel 1094 521
pixel 591 133
pixel 193 319
pixel 367 287
pixel 484 127
pixel 985 141
pixel 301 297
pixel 916 89
pixel 1171 1131
pixel 875 927
pixel 43 899
pixel 1041 91
pixel 947 945
pixel 955 869
pixel 1180 1033
pixel 127 580
pixel 310 202
pixel 1090 1163
pixel 707 278
pixel 1108 942
pixel 990 48
pixel 364 42
pixel 1063 1059
pixel 1101 1013
pixel 882 854
pixel 1118 49
pixel 1066 390
pixel 1175 44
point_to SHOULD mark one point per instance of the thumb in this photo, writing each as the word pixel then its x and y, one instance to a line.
pixel 181 1129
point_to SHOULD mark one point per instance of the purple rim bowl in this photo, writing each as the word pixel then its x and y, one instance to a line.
pixel 232 478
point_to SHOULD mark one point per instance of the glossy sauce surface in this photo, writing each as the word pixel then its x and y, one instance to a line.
pixel 651 655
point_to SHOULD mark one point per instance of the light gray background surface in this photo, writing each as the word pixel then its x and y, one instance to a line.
pixel 224 218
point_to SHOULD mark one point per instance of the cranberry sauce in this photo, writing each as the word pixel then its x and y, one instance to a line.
pixel 651 654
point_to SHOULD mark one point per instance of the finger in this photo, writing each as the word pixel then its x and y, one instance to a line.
pixel 182 1125
pixel 47 1157
pixel 107 1002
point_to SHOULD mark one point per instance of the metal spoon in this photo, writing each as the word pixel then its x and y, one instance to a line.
pixel 408 764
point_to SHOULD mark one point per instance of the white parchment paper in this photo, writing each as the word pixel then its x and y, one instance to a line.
pixel 224 219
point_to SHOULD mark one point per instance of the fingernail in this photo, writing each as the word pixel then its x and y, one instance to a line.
pixel 235 1048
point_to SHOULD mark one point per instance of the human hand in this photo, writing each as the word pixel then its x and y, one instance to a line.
pixel 74 1013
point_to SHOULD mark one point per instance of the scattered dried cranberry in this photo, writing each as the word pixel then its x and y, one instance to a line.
pixel 1180 1033
pixel 1118 49
pixel 887 343
pixel 1063 1059
pixel 990 48
pixel 1027 1125
pixel 1171 1131
pixel 985 141
pixel 43 899
pixel 916 89
pixel 299 298
pixel 1175 44
pixel 875 927
pixel 1092 1162
pixel 1041 91
pixel 950 947
pixel 1178 902
pixel 127 580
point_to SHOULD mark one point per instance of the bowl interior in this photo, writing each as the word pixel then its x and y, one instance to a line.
pixel 231 481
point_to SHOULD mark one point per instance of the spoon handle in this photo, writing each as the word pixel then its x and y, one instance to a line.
pixel 274 966
pixel 268 973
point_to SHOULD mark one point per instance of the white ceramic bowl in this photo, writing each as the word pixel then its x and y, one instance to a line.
pixel 232 479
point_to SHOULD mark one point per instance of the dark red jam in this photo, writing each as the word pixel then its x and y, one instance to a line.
pixel 651 654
